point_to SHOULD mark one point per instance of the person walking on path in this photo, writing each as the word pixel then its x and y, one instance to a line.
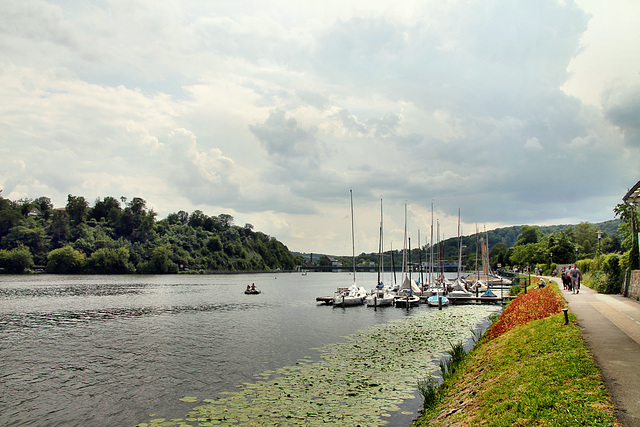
pixel 575 275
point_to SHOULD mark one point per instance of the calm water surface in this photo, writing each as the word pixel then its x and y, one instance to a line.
pixel 111 350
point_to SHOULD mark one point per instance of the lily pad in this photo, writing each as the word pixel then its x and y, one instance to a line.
pixel 355 382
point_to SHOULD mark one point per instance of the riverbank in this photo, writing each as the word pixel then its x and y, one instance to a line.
pixel 526 370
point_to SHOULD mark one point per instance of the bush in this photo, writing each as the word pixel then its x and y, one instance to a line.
pixel 110 261
pixel 537 304
pixel 614 274
pixel 65 260
pixel 17 260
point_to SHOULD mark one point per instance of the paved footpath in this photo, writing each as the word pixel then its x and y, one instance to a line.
pixel 611 327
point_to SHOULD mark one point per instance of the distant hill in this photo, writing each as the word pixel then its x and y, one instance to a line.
pixel 506 235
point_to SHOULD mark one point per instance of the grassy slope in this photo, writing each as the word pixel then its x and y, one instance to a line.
pixel 540 373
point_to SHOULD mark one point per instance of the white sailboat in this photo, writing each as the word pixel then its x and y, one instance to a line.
pixel 353 295
pixel 381 295
pixel 459 287
pixel 487 277
pixel 409 292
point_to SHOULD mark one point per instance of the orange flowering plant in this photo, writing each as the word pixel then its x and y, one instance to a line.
pixel 534 305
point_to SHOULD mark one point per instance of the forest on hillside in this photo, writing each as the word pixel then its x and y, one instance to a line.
pixel 116 236
pixel 511 246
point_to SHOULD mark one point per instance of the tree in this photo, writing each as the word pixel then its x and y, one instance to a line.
pixel 160 262
pixel 499 254
pixel 65 260
pixel 9 216
pixel 30 235
pixel 44 205
pixel 16 261
pixel 587 239
pixel 59 228
pixel 77 208
pixel 226 220
pixel 214 244
pixel 528 235
pixel 629 229
pixel 562 246
pixel 102 208
pixel 110 261
pixel 529 254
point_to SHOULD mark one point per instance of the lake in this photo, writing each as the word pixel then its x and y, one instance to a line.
pixel 121 350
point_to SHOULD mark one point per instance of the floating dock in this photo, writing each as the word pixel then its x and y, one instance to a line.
pixel 479 300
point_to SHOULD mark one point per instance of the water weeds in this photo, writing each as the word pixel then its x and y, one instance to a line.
pixel 359 381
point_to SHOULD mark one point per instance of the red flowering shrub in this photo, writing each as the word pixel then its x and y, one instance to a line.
pixel 534 305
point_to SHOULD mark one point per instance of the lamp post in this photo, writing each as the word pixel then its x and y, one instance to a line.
pixel 550 260
pixel 599 237
pixel 576 254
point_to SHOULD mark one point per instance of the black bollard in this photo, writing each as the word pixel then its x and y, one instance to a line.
pixel 566 315
pixel 439 302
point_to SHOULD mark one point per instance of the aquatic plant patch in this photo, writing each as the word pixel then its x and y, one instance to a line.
pixel 358 382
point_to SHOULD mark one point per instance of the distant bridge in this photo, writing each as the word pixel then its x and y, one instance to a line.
pixel 448 267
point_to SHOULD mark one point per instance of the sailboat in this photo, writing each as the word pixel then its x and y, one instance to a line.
pixel 408 294
pixel 353 295
pixel 487 278
pixel 380 296
pixel 459 288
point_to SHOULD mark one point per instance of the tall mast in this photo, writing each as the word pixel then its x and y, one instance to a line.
pixel 380 248
pixel 477 243
pixel 431 247
pixel 420 260
pixel 353 243
pixel 460 245
pixel 404 246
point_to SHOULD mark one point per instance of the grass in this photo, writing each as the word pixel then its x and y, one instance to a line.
pixel 536 373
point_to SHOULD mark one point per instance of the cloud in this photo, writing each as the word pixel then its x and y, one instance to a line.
pixel 533 144
pixel 622 107
pixel 266 111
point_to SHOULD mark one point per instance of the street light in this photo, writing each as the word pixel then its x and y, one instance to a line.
pixel 576 254
pixel 599 237
pixel 551 256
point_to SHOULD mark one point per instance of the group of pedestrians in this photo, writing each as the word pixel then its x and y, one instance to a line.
pixel 571 278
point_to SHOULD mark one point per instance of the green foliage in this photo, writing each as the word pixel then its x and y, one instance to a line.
pixel 614 274
pixel 116 236
pixel 110 261
pixel 428 388
pixel 629 229
pixel 65 260
pixel 16 261
pixel 449 365
pixel 529 235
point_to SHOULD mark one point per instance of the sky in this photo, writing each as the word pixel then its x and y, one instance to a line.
pixel 507 113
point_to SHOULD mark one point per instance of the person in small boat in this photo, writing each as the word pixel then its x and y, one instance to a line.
pixel 253 286
pixel 248 288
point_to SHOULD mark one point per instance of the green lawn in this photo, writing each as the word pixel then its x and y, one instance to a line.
pixel 540 373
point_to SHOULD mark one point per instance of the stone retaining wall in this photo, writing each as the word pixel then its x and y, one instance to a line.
pixel 633 286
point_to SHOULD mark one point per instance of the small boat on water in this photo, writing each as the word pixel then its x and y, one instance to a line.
pixel 437 300
pixel 353 295
pixel 347 297
pixel 380 297
pixel 252 290
pixel 406 300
